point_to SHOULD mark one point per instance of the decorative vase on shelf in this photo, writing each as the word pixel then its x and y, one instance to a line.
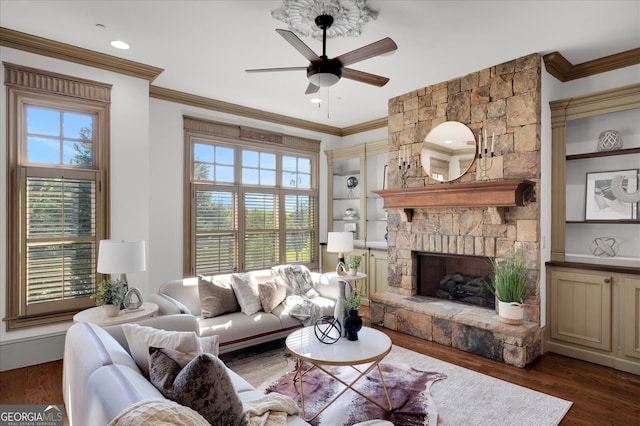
pixel 110 310
pixel 352 324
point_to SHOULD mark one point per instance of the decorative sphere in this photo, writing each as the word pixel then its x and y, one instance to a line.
pixel 328 329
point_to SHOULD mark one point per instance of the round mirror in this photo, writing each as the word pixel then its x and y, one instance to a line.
pixel 448 151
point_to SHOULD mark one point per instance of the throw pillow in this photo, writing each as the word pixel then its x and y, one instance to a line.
pixel 216 297
pixel 140 338
pixel 246 289
pixel 203 385
pixel 272 293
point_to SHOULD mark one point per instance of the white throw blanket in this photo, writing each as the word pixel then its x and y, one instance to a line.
pixel 158 412
pixel 303 309
pixel 270 410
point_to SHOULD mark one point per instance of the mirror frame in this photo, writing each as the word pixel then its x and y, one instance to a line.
pixel 448 133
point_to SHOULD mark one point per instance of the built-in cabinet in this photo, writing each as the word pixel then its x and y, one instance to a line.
pixel 374 264
pixel 353 174
pixel 593 278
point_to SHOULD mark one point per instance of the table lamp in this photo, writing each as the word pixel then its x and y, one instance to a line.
pixel 340 242
pixel 118 258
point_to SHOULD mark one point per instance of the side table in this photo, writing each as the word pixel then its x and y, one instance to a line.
pixel 97 316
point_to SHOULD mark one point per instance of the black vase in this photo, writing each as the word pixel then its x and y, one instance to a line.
pixel 352 324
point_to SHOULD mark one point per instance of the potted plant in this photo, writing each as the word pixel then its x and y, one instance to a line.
pixel 353 322
pixel 511 287
pixel 353 261
pixel 110 294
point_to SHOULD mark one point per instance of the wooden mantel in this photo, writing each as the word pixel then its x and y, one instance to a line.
pixel 499 193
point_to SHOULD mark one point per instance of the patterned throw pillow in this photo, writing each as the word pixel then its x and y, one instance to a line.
pixel 203 385
pixel 272 293
pixel 246 289
pixel 216 297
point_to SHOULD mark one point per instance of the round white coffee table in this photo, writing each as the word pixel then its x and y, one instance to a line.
pixel 97 315
pixel 363 355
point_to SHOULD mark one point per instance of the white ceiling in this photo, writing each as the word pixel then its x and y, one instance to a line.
pixel 205 46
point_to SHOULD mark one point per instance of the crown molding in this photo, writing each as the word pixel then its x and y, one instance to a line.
pixel 239 110
pixel 558 66
pixel 67 52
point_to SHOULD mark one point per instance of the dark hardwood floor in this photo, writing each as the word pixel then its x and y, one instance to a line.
pixel 600 395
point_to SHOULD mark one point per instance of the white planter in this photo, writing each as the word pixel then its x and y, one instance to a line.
pixel 111 311
pixel 353 271
pixel 510 312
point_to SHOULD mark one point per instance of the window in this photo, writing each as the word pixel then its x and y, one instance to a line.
pixel 58 144
pixel 250 206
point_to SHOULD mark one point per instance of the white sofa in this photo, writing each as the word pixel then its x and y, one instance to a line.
pixel 238 330
pixel 101 379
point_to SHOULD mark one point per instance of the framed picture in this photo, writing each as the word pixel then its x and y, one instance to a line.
pixel 602 204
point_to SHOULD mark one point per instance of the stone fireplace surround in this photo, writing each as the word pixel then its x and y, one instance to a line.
pixel 503 100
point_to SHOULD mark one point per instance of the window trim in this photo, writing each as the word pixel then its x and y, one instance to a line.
pixel 25 86
pixel 240 137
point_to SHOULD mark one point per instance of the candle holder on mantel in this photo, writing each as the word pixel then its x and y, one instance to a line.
pixel 485 162
pixel 404 165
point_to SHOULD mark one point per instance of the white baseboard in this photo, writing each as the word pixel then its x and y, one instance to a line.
pixel 31 351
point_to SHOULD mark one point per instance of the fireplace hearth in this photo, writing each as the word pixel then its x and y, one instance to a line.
pixel 458 278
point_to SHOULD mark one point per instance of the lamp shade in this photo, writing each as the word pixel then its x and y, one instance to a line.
pixel 120 257
pixel 339 242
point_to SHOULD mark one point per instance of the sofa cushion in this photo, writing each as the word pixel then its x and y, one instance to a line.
pixel 203 385
pixel 140 338
pixel 216 297
pixel 246 289
pixel 272 293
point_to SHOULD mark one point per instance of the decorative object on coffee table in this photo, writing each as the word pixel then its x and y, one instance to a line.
pixel 328 329
pixel 609 140
pixel 352 324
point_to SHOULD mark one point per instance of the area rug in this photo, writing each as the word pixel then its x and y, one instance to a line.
pixel 408 391
pixel 463 398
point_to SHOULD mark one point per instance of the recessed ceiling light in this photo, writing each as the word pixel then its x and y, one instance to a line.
pixel 119 44
pixel 315 100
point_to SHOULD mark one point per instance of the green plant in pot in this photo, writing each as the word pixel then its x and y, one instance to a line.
pixel 353 322
pixel 511 287
pixel 110 294
pixel 353 261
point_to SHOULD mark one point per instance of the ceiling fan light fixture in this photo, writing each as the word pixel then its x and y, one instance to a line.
pixel 324 79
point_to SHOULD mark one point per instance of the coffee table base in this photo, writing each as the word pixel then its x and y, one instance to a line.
pixel 300 372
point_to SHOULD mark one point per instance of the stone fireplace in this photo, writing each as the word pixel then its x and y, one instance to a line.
pixel 477 216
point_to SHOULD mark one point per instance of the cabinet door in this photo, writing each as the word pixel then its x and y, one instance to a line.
pixel 581 308
pixel 631 317
pixel 378 271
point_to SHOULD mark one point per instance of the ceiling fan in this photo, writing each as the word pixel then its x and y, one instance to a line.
pixel 324 72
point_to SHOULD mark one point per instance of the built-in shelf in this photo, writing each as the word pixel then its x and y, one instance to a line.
pixel 624 151
pixel 608 222
pixel 499 193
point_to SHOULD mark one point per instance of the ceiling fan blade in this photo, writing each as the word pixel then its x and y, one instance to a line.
pixel 364 77
pixel 379 47
pixel 277 69
pixel 299 45
pixel 311 88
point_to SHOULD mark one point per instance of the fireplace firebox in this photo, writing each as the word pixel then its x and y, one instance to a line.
pixel 455 277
